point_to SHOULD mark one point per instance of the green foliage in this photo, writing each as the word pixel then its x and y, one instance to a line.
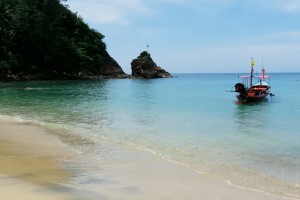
pixel 40 36
pixel 144 58
pixel 6 33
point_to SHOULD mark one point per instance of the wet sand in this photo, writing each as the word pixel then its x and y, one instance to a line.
pixel 157 179
pixel 31 168
pixel 30 162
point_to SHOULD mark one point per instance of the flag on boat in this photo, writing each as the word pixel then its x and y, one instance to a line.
pixel 252 62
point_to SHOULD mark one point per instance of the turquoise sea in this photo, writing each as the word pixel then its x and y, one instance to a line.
pixel 188 119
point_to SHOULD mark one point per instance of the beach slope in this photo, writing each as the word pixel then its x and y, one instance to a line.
pixel 30 163
pixel 31 169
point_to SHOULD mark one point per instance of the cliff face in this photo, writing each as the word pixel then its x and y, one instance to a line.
pixel 144 67
pixel 45 40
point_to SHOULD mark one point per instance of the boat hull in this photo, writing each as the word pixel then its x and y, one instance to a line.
pixel 253 94
pixel 247 99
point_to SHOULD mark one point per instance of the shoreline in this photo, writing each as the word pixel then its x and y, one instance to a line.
pixel 26 148
pixel 31 160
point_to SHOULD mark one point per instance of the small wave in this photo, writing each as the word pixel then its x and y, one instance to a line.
pixel 293 196
pixel 12 118
pixel 31 88
pixel 287 196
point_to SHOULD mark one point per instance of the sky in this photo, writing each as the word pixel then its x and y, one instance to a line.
pixel 199 36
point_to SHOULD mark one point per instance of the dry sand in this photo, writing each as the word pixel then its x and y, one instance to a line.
pixel 30 169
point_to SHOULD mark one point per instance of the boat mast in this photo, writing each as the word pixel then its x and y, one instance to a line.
pixel 252 70
pixel 263 68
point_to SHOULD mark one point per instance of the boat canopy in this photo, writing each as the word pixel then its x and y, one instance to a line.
pixel 262 76
pixel 245 76
pixel 262 83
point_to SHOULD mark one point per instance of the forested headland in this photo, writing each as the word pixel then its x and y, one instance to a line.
pixel 43 39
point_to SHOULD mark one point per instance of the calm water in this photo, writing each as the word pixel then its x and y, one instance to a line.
pixel 189 119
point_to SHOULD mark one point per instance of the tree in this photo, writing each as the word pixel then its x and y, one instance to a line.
pixel 7 13
pixel 44 36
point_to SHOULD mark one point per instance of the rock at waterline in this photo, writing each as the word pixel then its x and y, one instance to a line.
pixel 144 67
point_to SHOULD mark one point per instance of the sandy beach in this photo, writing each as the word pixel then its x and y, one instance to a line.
pixel 30 165
pixel 31 168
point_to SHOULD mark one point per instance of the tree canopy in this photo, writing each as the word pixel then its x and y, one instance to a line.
pixel 44 36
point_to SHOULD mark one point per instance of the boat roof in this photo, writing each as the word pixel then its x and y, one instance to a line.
pixel 245 76
pixel 262 83
pixel 260 76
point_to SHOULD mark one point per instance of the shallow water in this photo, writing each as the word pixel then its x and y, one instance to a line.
pixel 189 120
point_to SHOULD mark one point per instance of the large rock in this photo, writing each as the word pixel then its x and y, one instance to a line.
pixel 144 67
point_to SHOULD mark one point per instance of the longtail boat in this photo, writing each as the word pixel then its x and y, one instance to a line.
pixel 249 92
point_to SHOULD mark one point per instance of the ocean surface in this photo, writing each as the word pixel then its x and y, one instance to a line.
pixel 190 120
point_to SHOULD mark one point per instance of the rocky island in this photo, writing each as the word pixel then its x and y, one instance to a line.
pixel 144 67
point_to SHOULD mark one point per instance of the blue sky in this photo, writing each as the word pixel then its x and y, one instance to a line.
pixel 199 35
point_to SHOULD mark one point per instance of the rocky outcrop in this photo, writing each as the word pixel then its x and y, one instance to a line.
pixel 107 68
pixel 103 72
pixel 144 67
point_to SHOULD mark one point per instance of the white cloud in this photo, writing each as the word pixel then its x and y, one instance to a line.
pixel 279 5
pixel 107 11
pixel 287 36
pixel 203 4
pixel 174 1
pixel 121 11
pixel 292 6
